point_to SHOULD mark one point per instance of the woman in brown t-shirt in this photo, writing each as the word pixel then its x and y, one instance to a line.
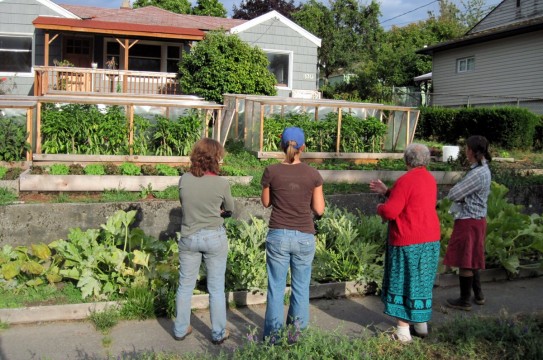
pixel 294 190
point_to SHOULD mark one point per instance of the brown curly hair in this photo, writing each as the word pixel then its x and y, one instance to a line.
pixel 205 157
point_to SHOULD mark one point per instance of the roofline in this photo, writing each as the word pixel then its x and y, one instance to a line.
pixel 58 9
pixel 271 15
pixel 480 38
pixel 113 28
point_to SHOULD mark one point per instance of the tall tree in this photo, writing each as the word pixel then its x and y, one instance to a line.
pixel 474 11
pixel 176 6
pixel 349 31
pixel 209 8
pixel 250 9
pixel 222 64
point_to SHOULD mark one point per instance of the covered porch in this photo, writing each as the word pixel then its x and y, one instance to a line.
pixel 91 56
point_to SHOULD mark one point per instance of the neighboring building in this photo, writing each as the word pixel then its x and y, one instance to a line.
pixel 40 32
pixel 498 62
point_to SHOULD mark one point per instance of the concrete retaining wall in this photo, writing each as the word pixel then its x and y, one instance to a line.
pixel 23 224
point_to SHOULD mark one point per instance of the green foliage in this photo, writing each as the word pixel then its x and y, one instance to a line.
pixel 349 247
pixel 249 10
pixel 105 320
pixel 209 8
pixel 177 137
pixel 357 134
pixel 222 64
pixel 95 169
pixel 129 169
pixel 170 193
pixel 7 196
pixel 13 144
pixel 139 304
pixel 118 195
pixel 59 169
pixel 176 6
pixel 514 240
pixel 58 293
pixel 76 169
pixel 3 172
pixel 504 127
pixel 166 170
pixel 246 264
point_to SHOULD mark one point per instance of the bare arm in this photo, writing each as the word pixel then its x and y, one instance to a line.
pixel 265 197
pixel 317 201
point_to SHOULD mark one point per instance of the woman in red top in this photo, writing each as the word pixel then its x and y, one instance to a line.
pixel 413 243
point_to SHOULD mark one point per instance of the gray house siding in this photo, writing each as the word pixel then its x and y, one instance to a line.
pixel 16 18
pixel 510 67
pixel 274 35
pixel 507 12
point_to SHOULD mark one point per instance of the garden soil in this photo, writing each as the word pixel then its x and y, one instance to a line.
pixel 354 316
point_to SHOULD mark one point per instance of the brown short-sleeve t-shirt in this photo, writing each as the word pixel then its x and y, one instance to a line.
pixel 291 191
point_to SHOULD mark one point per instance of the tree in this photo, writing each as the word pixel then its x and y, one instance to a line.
pixel 349 32
pixel 176 6
pixel 209 8
pixel 473 12
pixel 250 9
pixel 222 64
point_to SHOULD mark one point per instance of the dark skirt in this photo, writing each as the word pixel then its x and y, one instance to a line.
pixel 466 249
pixel 408 281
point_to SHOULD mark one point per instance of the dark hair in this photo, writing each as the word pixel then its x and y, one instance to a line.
pixel 205 156
pixel 290 150
pixel 479 146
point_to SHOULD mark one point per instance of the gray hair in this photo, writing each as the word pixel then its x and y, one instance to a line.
pixel 416 155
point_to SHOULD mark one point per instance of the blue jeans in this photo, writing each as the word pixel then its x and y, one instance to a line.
pixel 212 245
pixel 284 249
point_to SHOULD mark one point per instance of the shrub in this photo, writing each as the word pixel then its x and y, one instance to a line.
pixel 3 171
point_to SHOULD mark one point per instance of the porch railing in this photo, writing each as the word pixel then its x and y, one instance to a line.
pixel 57 79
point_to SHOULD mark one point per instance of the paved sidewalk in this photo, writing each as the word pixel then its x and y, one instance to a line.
pixel 354 316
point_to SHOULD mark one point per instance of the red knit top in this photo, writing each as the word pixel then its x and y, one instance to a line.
pixel 411 209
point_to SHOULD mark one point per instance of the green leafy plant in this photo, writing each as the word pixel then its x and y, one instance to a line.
pixel 166 170
pixel 59 169
pixel 76 169
pixel 13 140
pixel 3 172
pixel 246 264
pixel 177 137
pixel 7 196
pixel 95 169
pixel 129 169
pixel 149 170
pixel 105 320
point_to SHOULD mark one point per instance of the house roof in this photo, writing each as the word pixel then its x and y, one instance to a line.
pixel 521 27
pixel 277 16
pixel 117 28
pixel 152 15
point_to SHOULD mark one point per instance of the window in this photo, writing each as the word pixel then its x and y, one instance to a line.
pixel 465 64
pixel 15 53
pixel 78 46
pixel 147 56
pixel 281 67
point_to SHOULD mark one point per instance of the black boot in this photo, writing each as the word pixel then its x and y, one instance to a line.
pixel 478 296
pixel 462 303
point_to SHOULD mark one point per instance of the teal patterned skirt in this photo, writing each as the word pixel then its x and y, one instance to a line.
pixel 408 281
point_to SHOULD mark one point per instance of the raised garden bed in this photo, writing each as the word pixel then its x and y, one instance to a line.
pixel 30 182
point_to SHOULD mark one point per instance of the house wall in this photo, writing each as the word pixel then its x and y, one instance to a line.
pixel 16 18
pixel 274 35
pixel 507 13
pixel 510 67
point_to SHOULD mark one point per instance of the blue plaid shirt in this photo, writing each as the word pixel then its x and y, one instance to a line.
pixel 470 194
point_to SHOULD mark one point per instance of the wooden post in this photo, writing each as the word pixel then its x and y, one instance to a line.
pixel 125 66
pixel 46 50
pixel 338 130
pixel 407 137
pixel 38 128
pixel 131 128
pixel 316 113
pixel 236 114
pixel 219 118
pixel 29 130
pixel 261 128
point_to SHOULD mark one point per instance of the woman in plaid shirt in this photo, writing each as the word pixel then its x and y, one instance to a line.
pixel 466 249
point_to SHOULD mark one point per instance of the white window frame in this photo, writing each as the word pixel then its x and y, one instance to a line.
pixel 466 64
pixel 290 66
pixel 32 51
pixel 163 51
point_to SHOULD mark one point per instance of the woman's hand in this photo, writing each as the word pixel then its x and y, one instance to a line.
pixel 377 186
